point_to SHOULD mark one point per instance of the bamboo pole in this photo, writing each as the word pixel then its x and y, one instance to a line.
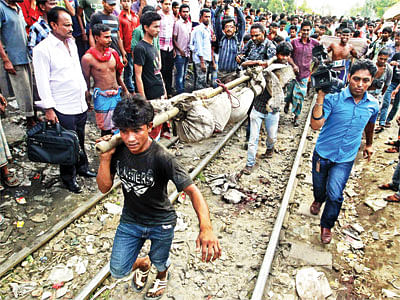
pixel 116 140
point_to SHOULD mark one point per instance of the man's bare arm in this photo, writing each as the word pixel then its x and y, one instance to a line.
pixel 86 69
pixel 207 241
pixel 8 66
pixel 318 112
pixel 138 78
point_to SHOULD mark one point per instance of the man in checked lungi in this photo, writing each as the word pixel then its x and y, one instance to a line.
pixel 301 62
pixel 103 64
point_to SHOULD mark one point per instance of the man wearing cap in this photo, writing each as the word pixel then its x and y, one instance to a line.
pixel 107 18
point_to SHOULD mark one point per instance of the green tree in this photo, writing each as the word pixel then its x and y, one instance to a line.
pixel 275 6
pixel 373 8
pixel 305 8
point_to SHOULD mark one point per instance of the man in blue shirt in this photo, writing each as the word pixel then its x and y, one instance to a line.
pixel 202 53
pixel 229 36
pixel 343 117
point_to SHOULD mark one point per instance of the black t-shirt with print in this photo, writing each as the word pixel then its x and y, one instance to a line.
pixel 145 55
pixel 144 179
pixel 396 69
pixel 112 22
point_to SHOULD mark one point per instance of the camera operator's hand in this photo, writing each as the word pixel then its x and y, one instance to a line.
pixel 321 93
pixel 368 151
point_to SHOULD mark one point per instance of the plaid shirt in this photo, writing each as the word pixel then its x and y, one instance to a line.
pixel 263 51
pixel 166 31
pixel 37 33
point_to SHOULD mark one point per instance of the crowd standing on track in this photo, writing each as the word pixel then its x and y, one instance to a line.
pixel 59 57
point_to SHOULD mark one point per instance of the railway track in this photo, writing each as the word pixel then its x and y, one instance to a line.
pixel 87 233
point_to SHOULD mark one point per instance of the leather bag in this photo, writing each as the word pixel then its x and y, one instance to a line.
pixel 53 144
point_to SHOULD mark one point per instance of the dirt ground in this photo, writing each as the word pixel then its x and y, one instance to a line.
pixel 370 271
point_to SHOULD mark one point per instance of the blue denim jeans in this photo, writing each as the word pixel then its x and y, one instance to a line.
pixel 396 178
pixel 395 108
pixel 328 185
pixel 128 73
pixel 386 103
pixel 181 64
pixel 271 125
pixel 128 241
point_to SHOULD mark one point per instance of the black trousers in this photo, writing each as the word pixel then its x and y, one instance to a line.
pixel 167 66
pixel 76 123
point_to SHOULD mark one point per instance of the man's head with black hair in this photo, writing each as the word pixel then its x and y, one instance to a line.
pixel 361 76
pixel 102 35
pixel 228 26
pixel 205 16
pixel 45 5
pixel 134 118
pixel 386 33
pixel 151 23
pixel 60 22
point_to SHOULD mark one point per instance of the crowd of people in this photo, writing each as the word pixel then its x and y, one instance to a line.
pixel 67 57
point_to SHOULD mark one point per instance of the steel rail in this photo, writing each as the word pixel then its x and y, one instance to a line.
pixel 105 271
pixel 262 278
pixel 19 256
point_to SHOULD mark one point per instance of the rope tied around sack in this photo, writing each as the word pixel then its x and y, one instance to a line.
pixel 230 95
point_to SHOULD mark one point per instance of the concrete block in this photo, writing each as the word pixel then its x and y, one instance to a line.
pixel 309 255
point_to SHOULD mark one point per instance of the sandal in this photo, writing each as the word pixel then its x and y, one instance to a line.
pixel 11 180
pixel 393 198
pixel 387 186
pixel 137 281
pixel 157 286
pixel 388 125
pixel 392 150
pixel 392 143
pixel 379 129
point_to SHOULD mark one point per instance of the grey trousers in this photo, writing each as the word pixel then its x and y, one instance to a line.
pixel 22 86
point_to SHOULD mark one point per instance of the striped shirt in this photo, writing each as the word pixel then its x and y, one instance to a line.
pixel 37 33
pixel 228 50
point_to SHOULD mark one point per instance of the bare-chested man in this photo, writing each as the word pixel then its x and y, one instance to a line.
pixel 341 53
pixel 103 64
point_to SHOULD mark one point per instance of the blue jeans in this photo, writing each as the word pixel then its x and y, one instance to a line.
pixel 328 185
pixel 396 178
pixel 181 64
pixel 128 241
pixel 128 73
pixel 271 125
pixel 394 109
pixel 386 103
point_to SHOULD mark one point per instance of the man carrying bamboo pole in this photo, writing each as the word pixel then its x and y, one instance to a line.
pixel 265 108
pixel 145 168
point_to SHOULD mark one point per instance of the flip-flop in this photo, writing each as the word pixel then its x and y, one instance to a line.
pixel 388 125
pixel 392 143
pixel 387 186
pixel 393 198
pixel 11 180
pixel 157 285
pixel 392 150
pixel 379 129
pixel 137 283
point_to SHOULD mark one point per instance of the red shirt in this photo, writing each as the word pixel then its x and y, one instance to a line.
pixel 126 28
pixel 30 15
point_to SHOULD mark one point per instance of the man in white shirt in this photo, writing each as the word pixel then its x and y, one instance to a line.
pixel 62 88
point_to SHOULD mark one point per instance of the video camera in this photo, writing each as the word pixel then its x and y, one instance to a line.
pixel 325 77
